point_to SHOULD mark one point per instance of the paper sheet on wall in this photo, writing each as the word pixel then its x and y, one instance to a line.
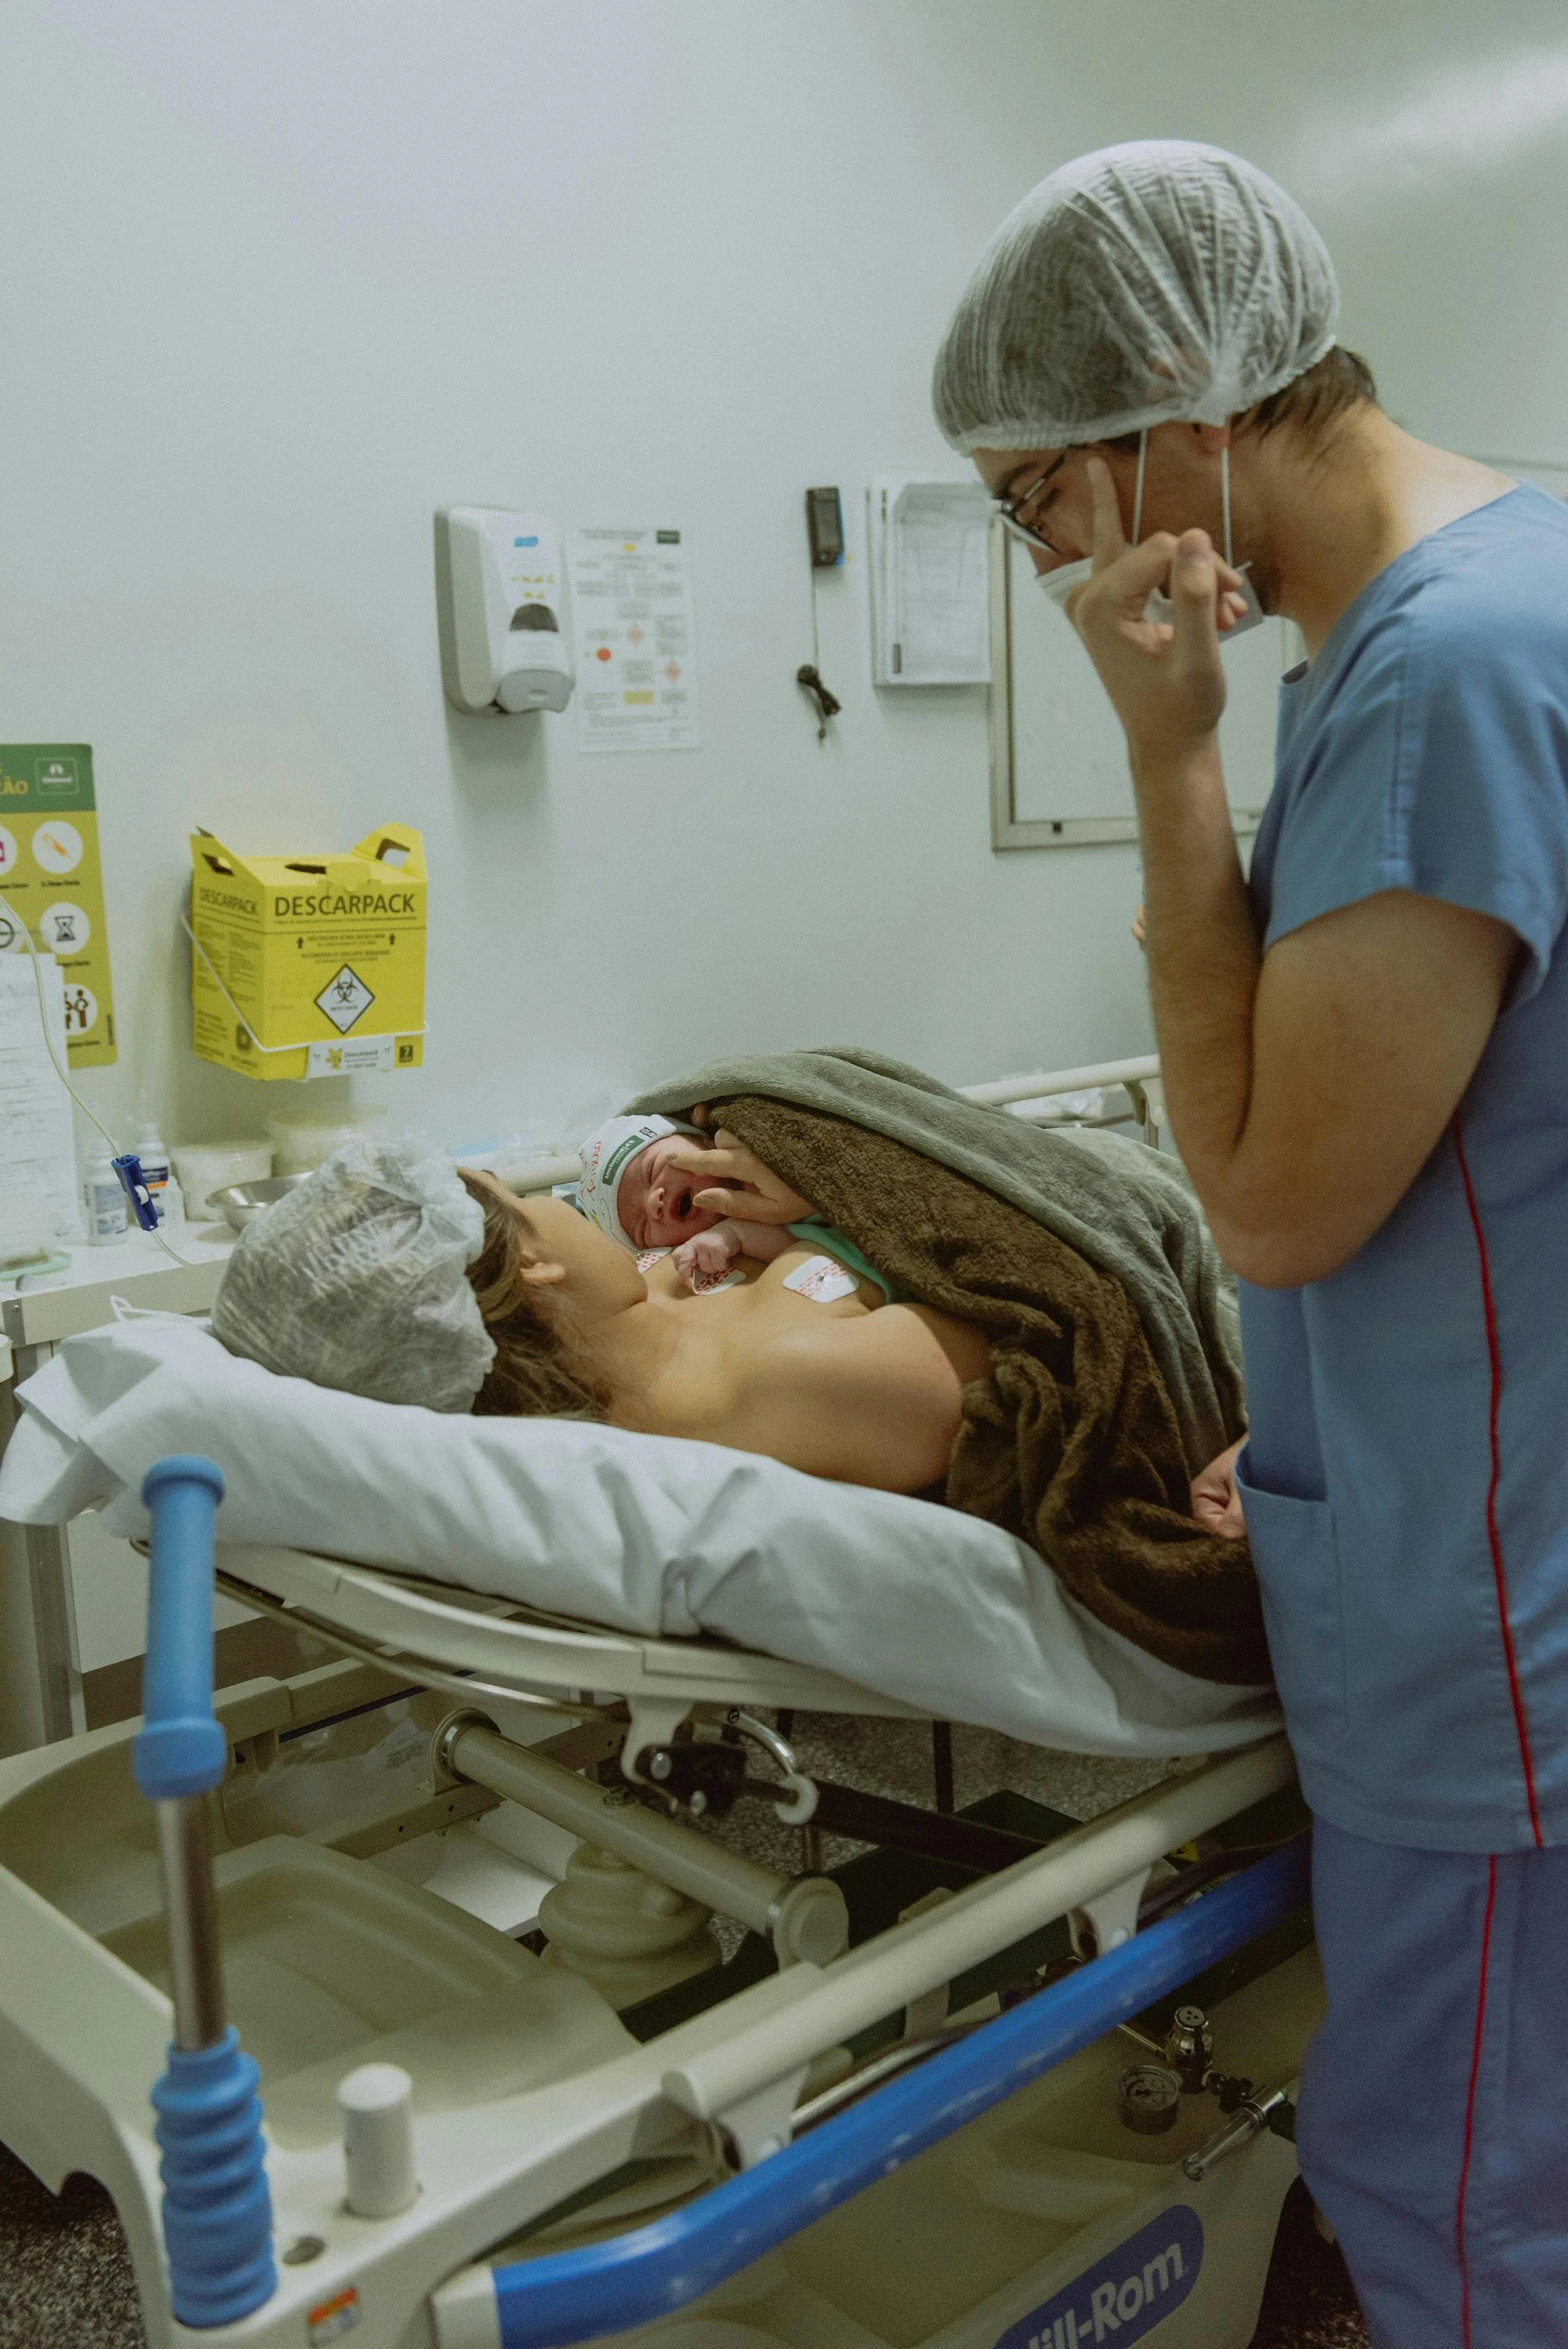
pixel 37 1155
pixel 930 581
pixel 636 643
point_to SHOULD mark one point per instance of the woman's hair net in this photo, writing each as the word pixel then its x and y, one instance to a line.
pixel 358 1279
pixel 1141 284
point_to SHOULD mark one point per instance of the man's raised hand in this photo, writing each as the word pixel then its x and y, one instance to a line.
pixel 1164 677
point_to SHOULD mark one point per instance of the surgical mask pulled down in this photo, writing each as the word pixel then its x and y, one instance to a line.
pixel 1068 577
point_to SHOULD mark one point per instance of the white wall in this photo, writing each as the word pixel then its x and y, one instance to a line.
pixel 280 280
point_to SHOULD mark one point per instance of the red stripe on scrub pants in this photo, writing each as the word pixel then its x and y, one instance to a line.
pixel 1475 2074
pixel 1494 1540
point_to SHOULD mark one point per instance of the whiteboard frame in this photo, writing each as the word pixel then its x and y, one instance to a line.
pixel 1008 829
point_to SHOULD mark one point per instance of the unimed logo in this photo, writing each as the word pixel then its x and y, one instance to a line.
pixel 1133 2289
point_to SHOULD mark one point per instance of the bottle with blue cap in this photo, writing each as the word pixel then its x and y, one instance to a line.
pixel 103 1202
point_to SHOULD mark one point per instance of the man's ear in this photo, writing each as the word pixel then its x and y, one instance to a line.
pixel 539 1273
pixel 1211 438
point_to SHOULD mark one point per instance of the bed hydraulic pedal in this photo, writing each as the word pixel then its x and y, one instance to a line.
pixel 217 2212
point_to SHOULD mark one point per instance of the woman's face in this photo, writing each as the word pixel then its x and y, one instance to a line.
pixel 561 1249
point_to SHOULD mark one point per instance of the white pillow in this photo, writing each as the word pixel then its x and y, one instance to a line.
pixel 644 1534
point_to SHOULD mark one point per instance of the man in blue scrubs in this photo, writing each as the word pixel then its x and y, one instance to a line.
pixel 1365 1053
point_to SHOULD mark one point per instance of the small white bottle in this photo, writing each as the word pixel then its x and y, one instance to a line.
pixel 154 1155
pixel 103 1202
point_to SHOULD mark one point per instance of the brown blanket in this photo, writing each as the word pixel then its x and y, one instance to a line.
pixel 1072 1442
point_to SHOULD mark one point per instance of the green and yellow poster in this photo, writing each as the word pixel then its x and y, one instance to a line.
pixel 51 884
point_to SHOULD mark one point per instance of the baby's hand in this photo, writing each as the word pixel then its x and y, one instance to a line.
pixel 762 1242
pixel 706 1254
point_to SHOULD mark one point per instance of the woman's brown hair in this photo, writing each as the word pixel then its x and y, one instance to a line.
pixel 539 1370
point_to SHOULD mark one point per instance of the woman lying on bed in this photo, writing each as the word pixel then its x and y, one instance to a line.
pixel 385 1277
pixel 827 1377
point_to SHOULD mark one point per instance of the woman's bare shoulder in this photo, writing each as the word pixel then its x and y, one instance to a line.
pixel 869 1398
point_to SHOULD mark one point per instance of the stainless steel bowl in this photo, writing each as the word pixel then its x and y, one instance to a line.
pixel 241 1203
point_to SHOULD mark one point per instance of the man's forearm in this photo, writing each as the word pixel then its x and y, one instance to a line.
pixel 1306 1092
pixel 1203 960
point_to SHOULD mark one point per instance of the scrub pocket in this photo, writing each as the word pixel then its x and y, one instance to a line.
pixel 1295 1549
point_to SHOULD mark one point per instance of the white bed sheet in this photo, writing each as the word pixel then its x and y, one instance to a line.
pixel 643 1534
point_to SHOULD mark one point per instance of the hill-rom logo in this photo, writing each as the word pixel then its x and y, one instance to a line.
pixel 1134 2288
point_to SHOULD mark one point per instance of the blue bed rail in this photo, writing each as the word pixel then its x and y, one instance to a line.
pixel 571 2296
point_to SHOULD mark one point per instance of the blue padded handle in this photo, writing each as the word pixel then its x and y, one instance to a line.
pixel 217 2209
pixel 609 2287
pixel 180 1749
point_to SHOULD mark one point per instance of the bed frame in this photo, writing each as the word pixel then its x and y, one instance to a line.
pixel 744 2125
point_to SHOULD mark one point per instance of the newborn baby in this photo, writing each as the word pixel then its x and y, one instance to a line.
pixel 635 1192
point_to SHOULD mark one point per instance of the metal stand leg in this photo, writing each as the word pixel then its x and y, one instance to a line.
pixel 47 1651
pixel 59 1682
pixel 942 1763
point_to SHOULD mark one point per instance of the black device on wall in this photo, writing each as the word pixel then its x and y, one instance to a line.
pixel 825 528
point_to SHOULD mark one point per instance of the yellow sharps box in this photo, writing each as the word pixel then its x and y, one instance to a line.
pixel 309 966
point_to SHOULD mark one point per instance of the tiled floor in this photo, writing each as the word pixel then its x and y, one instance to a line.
pixel 65 2277
pixel 1308 2302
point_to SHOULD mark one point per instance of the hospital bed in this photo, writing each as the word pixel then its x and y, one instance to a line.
pixel 883 2120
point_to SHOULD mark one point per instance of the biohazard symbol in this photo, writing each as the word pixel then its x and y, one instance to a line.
pixel 345 999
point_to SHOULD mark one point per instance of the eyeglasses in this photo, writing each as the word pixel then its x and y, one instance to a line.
pixel 1014 513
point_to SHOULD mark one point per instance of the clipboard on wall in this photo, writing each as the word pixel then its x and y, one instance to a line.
pixel 929 586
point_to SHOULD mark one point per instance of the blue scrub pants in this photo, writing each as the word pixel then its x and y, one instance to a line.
pixel 1433 2130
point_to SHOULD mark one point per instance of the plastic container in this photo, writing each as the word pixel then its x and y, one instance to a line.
pixel 301 1144
pixel 103 1202
pixel 204 1167
pixel 309 966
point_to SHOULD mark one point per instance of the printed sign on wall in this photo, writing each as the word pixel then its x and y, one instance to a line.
pixel 51 884
pixel 636 645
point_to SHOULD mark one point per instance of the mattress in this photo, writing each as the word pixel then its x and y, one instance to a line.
pixel 642 1534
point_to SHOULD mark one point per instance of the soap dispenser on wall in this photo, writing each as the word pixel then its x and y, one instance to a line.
pixel 498 600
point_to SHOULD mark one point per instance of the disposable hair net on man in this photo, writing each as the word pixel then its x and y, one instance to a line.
pixel 358 1279
pixel 1141 284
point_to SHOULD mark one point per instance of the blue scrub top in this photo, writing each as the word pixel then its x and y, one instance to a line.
pixel 1406 1477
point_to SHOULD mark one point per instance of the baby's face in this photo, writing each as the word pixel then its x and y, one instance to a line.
pixel 655 1199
